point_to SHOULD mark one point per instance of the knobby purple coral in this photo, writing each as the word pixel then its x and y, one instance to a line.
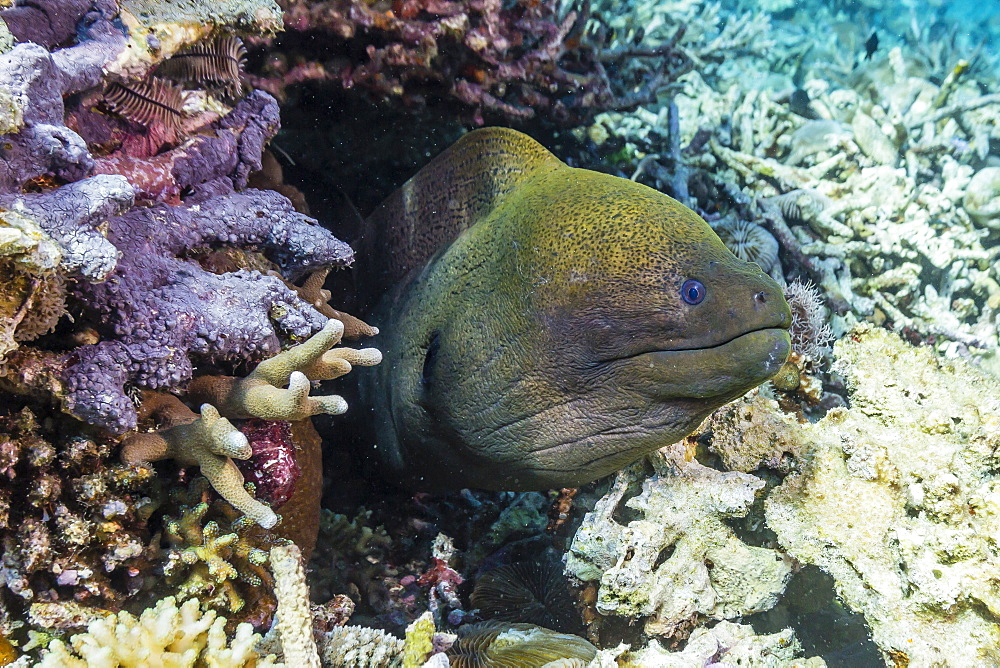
pixel 160 312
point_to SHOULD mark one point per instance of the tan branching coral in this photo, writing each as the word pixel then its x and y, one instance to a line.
pixel 163 635
pixel 260 394
pixel 208 441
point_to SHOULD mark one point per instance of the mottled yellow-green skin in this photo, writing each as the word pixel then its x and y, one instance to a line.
pixel 547 344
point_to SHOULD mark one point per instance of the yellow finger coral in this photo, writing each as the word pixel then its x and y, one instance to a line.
pixel 208 440
pixel 261 395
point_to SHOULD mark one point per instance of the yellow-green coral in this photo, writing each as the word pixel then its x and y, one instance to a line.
pixel 260 394
pixel 165 635
pixel 209 441
pixel 419 641
pixel 206 562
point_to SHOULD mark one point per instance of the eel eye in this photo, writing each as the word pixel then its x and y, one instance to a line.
pixel 693 292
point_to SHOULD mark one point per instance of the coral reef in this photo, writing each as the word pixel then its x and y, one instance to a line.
pixel 678 561
pixel 212 442
pixel 222 561
pixel 159 311
pixel 875 178
pixel 293 622
pixel 503 61
pixel 73 524
pixel 725 643
pixel 198 322
pixel 896 499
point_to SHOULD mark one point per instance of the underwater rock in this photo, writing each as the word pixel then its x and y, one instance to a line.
pixel 872 141
pixel 982 197
pixel 734 644
pixel 813 137
pixel 678 560
pixel 898 499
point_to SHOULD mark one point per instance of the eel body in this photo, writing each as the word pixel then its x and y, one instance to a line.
pixel 543 326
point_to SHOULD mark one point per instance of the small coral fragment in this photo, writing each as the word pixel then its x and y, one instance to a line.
pixel 208 441
pixel 360 647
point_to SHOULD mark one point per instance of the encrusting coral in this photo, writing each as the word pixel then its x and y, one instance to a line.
pixel 72 523
pixel 897 499
pixel 735 644
pixel 678 561
pixel 511 61
pixel 161 312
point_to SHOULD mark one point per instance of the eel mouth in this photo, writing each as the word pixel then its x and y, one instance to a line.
pixel 733 366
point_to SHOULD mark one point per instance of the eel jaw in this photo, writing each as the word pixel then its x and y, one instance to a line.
pixel 723 371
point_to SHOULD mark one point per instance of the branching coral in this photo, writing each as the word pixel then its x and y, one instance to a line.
pixel 220 562
pixel 164 634
pixel 260 395
pixel 211 441
pixel 208 441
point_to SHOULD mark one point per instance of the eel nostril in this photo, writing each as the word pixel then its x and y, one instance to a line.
pixel 760 297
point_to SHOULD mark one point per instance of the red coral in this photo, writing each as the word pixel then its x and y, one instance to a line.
pixel 273 468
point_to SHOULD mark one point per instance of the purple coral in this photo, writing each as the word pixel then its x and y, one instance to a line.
pixel 228 150
pixel 72 215
pixel 161 312
pixel 39 81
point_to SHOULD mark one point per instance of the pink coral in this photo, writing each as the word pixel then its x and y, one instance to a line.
pixel 272 468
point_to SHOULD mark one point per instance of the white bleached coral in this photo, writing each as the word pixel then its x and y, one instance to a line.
pixel 679 561
pixel 725 644
pixel 164 635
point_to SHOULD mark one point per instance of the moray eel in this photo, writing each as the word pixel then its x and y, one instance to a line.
pixel 550 325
